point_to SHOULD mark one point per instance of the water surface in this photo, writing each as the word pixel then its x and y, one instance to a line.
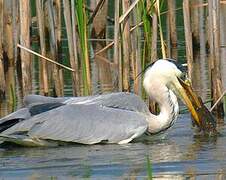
pixel 181 153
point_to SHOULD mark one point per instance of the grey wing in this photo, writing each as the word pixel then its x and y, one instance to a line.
pixel 32 103
pixel 120 100
pixel 86 124
pixel 38 99
pixel 126 101
pixel 19 114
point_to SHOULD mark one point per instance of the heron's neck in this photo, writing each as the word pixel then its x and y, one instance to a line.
pixel 169 109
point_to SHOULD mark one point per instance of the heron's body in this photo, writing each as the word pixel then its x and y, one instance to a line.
pixel 111 118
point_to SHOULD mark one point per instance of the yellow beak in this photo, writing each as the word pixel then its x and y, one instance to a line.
pixel 201 115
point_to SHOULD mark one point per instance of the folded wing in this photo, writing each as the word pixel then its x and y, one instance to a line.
pixel 79 123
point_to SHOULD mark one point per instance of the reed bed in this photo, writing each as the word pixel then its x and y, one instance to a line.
pixel 143 31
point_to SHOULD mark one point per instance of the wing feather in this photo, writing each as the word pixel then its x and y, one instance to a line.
pixel 86 124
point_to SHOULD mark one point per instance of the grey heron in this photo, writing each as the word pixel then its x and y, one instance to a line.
pixel 110 118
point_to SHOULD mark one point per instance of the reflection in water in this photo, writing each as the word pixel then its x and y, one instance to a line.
pixel 177 156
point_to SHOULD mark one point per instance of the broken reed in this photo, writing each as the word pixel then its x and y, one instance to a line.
pixel 138 25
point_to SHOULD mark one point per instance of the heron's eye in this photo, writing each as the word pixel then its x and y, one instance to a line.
pixel 184 76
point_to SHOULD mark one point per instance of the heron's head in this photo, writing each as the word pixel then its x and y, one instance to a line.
pixel 164 73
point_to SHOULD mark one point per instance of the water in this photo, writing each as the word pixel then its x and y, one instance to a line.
pixel 181 154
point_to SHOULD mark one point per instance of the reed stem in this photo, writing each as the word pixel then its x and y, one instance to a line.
pixel 45 58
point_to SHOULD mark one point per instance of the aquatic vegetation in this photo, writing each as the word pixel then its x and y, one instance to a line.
pixel 149 168
pixel 82 31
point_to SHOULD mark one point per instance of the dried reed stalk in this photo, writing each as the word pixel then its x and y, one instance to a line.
pixel 188 37
pixel 215 63
pixel 129 9
pixel 57 79
pixel 223 46
pixel 154 41
pixel 44 86
pixel 75 47
pixel 2 74
pixel 68 23
pixel 126 47
pixel 203 56
pixel 163 48
pixel 136 52
pixel 25 41
pixel 45 58
pixel 58 26
pixel 172 27
pixel 117 60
